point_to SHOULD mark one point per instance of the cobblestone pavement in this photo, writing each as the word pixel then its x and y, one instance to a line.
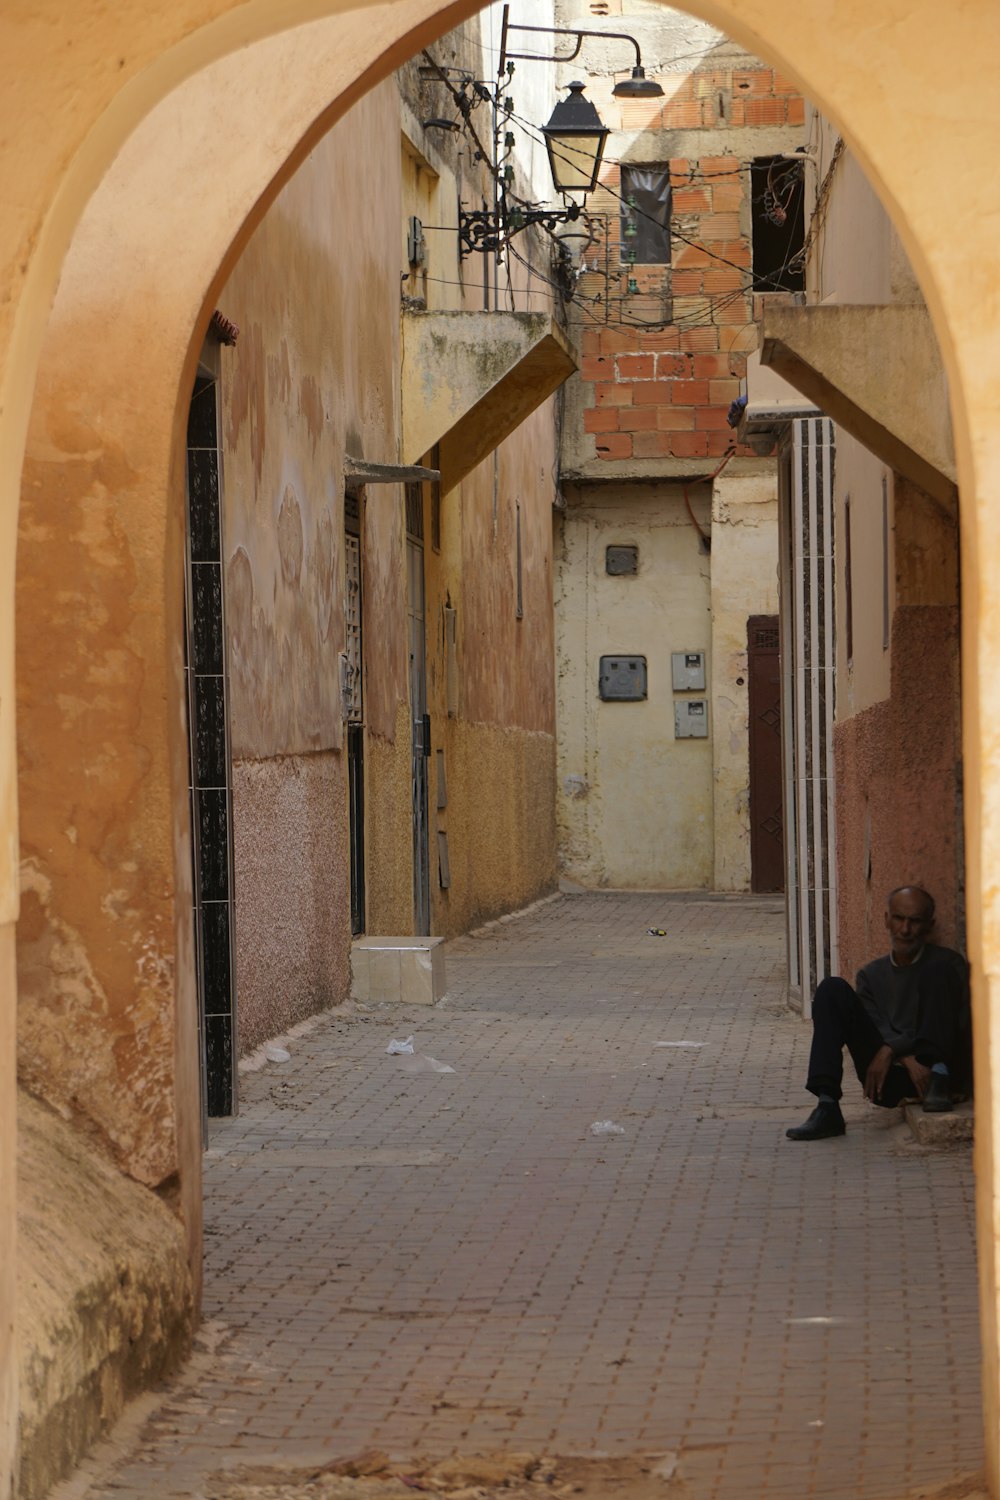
pixel 447 1263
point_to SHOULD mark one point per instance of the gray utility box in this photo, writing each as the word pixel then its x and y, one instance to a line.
pixel 688 668
pixel 691 719
pixel 622 679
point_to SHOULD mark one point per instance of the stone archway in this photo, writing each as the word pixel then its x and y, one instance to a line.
pixel 113 194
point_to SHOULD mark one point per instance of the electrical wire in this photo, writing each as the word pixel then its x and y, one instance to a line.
pixel 754 280
pixel 712 305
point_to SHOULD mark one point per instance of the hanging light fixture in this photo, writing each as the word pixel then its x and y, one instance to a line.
pixel 638 86
pixel 574 137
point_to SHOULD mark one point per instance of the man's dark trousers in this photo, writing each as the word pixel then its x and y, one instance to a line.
pixel 840 1020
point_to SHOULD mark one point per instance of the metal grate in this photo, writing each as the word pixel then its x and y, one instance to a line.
pixel 353 705
pixel 766 640
pixel 415 511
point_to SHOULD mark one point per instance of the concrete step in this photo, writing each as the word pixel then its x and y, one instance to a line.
pixel 951 1129
pixel 404 970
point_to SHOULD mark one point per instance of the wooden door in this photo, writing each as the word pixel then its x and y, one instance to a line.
pixel 767 846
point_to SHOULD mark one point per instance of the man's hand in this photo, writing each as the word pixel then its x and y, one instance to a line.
pixel 878 1070
pixel 919 1075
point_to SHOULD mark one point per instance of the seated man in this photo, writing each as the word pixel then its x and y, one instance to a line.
pixel 906 1023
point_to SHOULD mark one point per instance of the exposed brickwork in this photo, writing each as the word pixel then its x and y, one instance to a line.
pixel 700 315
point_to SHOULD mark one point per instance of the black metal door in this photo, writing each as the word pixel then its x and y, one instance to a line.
pixel 354 707
pixel 767 849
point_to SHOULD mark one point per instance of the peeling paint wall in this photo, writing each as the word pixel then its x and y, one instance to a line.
pixel 106 1304
pixel 314 377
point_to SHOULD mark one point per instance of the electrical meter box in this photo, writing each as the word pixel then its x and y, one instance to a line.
pixel 691 719
pixel 622 679
pixel 688 671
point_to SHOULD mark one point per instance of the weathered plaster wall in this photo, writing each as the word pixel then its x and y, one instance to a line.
pixel 744 583
pixel 314 377
pixel 497 728
pixel 634 803
pixel 105 1298
pixel 96 949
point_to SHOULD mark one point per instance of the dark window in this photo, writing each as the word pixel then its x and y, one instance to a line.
pixel 777 201
pixel 645 215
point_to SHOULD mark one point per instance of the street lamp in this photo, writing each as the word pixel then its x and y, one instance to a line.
pixel 574 138
pixel 636 87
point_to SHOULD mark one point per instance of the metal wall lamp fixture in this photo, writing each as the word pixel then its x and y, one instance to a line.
pixel 636 87
pixel 575 137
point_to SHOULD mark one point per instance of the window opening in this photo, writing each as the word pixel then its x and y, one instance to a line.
pixel 645 215
pixel 777 200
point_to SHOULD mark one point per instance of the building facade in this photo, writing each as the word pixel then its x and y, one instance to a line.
pixel 120 230
pixel 872 610
pixel 679 787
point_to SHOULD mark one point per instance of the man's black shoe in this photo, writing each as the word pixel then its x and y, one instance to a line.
pixel 937 1099
pixel 826 1120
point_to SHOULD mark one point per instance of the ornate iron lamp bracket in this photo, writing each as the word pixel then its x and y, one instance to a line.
pixel 489 232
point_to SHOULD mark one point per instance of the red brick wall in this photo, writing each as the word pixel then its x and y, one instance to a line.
pixel 663 392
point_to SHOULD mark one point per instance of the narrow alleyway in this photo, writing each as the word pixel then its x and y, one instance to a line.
pixel 432 1263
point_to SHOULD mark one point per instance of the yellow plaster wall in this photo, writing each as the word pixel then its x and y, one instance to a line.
pixel 389 830
pixel 500 822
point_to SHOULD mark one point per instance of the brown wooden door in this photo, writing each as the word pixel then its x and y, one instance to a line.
pixel 767 847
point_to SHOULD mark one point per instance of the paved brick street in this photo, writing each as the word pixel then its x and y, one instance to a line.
pixel 452 1262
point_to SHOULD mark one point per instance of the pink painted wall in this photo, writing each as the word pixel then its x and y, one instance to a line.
pixel 898 786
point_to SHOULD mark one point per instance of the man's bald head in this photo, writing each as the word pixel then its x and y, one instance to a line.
pixel 913 890
pixel 909 917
